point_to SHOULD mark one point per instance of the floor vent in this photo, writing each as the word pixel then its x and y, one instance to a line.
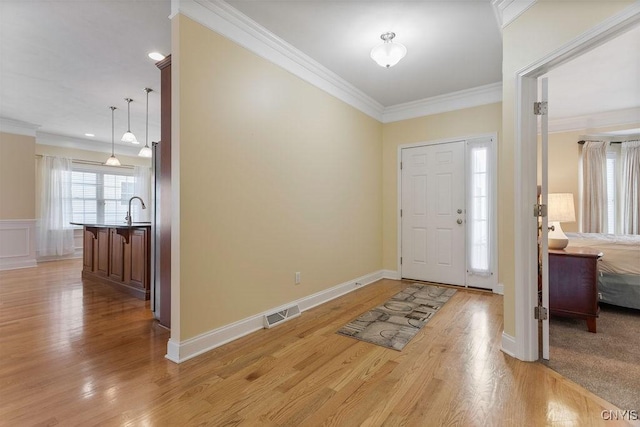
pixel 270 320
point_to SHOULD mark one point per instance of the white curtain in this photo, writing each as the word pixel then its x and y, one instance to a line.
pixel 631 187
pixel 55 234
pixel 142 188
pixel 594 187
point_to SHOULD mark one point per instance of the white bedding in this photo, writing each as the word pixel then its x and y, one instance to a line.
pixel 621 253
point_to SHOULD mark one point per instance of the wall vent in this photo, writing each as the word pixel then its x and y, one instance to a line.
pixel 270 320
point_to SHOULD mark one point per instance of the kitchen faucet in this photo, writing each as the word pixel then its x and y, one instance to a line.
pixel 128 217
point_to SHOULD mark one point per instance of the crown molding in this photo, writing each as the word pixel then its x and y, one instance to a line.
pixel 44 138
pixel 18 127
pixel 481 95
pixel 227 21
pixel 506 11
pixel 627 116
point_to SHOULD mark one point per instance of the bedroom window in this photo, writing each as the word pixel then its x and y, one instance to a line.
pixel 612 190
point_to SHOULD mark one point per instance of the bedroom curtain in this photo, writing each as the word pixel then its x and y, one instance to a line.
pixel 631 187
pixel 55 234
pixel 594 187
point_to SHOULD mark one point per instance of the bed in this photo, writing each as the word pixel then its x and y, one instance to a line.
pixel 619 269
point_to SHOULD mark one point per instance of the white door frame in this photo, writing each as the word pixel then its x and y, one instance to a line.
pixel 526 263
pixel 399 182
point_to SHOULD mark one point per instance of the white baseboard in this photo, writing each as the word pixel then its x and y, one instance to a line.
pixel 17 244
pixel 178 352
pixel 508 344
pixel 391 274
pixel 499 289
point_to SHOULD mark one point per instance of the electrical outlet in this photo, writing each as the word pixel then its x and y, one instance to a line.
pixel 297 277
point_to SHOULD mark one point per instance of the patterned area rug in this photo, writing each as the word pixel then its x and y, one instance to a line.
pixel 395 322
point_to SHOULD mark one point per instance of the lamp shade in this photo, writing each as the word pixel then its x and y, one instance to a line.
pixel 388 53
pixel 128 135
pixel 112 161
pixel 561 207
pixel 145 151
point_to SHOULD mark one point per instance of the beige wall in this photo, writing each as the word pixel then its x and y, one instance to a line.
pixel 542 29
pixel 276 176
pixel 17 176
pixel 467 122
pixel 564 158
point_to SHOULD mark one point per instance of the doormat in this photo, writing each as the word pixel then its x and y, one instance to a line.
pixel 395 322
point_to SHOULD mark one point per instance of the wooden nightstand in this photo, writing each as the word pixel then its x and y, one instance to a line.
pixel 573 284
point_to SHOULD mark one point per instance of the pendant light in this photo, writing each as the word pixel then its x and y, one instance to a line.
pixel 388 53
pixel 112 161
pixel 128 135
pixel 146 151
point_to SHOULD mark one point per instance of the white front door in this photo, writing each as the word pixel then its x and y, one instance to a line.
pixel 433 213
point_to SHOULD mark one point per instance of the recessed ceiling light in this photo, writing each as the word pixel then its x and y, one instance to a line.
pixel 89 134
pixel 156 56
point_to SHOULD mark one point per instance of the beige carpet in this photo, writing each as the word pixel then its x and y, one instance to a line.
pixel 606 363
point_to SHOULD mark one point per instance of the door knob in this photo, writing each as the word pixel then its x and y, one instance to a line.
pixel 459 221
pixel 459 211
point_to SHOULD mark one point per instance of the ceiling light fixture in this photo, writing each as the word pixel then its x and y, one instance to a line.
pixel 388 53
pixel 113 160
pixel 128 135
pixel 146 151
pixel 156 56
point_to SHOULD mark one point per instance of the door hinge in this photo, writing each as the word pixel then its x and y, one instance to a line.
pixel 400 165
pixel 400 260
pixel 400 213
pixel 540 313
pixel 540 108
pixel 539 210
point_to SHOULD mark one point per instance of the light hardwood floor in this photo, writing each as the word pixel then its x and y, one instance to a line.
pixel 74 353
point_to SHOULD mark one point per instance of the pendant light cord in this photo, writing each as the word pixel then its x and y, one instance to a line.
pixel 129 114
pixel 146 136
pixel 112 132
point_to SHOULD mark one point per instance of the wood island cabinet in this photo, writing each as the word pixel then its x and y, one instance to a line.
pixel 118 256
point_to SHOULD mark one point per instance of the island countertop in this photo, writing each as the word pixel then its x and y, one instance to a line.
pixel 114 225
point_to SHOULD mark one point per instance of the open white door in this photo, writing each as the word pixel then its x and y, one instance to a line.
pixel 544 234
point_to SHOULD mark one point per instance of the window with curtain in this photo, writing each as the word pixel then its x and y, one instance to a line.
pixel 630 200
pixel 612 190
pixel 100 194
pixel 594 207
pixel 55 234
pixel 610 183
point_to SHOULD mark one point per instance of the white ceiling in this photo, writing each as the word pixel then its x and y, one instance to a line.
pixel 64 62
pixel 606 78
pixel 452 45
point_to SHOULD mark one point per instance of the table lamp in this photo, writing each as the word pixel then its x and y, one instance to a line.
pixel 560 209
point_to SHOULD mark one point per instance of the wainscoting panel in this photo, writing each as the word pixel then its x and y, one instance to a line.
pixel 17 244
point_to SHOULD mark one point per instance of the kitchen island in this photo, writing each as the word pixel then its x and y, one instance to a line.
pixel 118 255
